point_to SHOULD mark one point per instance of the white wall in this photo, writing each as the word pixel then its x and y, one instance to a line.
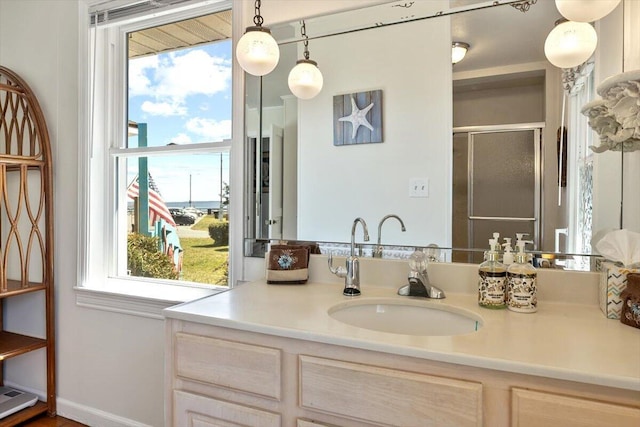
pixel 110 366
pixel 339 183
pixel 607 181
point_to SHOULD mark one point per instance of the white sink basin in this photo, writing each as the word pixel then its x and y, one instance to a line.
pixel 408 317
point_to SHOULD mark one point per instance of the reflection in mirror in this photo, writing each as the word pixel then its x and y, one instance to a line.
pixel 480 138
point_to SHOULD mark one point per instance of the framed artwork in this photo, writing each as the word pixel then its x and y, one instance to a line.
pixel 357 118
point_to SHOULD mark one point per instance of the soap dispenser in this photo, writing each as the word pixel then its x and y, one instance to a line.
pixel 522 281
pixel 507 256
pixel 492 279
pixel 496 237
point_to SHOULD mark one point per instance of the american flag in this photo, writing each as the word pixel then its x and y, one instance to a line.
pixel 157 208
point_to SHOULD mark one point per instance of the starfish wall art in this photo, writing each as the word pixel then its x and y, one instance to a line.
pixel 357 118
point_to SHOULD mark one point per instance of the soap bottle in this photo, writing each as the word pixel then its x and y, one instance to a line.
pixel 496 237
pixel 522 280
pixel 492 279
pixel 507 255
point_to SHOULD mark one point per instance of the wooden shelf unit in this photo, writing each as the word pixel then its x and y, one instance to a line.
pixel 12 345
pixel 26 230
pixel 24 415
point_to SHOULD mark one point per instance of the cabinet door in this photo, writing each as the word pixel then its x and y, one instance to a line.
pixel 192 410
pixel 541 409
pixel 388 396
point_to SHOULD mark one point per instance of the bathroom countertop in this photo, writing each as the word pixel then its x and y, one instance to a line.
pixel 564 341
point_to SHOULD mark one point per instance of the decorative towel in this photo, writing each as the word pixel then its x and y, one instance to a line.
pixel 288 264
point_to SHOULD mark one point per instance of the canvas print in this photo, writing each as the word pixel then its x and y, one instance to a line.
pixel 357 118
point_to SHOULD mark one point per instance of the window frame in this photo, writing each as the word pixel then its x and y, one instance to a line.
pixel 105 120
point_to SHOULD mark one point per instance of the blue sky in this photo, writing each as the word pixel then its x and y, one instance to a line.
pixel 184 96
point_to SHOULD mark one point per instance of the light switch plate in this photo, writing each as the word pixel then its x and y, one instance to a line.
pixel 419 187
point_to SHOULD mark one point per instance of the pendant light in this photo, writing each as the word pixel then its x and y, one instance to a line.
pixel 586 10
pixel 257 51
pixel 305 79
pixel 458 51
pixel 570 43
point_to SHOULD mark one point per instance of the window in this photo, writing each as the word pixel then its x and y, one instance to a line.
pixel 158 158
pixel 580 170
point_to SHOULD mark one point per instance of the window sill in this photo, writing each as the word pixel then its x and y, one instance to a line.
pixel 139 298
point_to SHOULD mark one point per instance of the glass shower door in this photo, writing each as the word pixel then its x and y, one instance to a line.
pixel 504 184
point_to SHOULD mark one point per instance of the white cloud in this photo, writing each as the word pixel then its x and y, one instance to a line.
pixel 212 130
pixel 181 138
pixel 195 72
pixel 171 78
pixel 163 108
pixel 139 83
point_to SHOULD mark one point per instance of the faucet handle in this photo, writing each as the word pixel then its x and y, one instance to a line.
pixel 418 261
pixel 432 251
pixel 338 271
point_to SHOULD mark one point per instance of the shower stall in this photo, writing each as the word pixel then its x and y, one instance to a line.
pixel 497 185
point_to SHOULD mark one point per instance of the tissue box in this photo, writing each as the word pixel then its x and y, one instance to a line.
pixel 613 281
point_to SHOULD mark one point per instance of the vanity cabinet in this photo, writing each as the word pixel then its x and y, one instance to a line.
pixel 225 377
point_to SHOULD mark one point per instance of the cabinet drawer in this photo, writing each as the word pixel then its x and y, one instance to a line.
pixel 541 409
pixel 388 396
pixel 244 367
pixel 192 410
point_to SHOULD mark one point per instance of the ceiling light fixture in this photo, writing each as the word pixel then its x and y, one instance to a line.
pixel 305 79
pixel 458 51
pixel 570 43
pixel 586 10
pixel 257 51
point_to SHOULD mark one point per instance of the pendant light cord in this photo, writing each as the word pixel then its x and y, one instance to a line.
pixel 303 32
pixel 257 18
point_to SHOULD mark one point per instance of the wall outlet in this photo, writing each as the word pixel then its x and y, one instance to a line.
pixel 419 187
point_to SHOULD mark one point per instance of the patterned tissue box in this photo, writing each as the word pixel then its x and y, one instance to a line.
pixel 287 264
pixel 613 280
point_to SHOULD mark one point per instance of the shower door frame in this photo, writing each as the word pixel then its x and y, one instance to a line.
pixel 537 128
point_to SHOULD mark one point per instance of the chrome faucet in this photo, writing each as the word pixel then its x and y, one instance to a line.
pixel 351 272
pixel 377 251
pixel 419 284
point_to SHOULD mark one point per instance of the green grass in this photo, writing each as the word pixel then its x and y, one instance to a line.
pixel 202 262
pixel 204 222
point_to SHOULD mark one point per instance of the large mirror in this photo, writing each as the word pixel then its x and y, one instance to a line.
pixel 459 152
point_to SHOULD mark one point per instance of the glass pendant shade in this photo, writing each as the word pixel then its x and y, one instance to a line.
pixel 569 44
pixel 257 51
pixel 305 79
pixel 458 51
pixel 586 10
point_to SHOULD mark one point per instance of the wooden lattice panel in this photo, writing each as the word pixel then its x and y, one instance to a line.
pixel 24 188
pixel 19 124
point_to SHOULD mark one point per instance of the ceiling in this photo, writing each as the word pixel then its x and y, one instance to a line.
pixel 498 36
pixel 503 35
pixel 177 35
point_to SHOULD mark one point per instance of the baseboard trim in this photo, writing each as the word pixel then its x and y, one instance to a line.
pixel 81 413
pixel 92 416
